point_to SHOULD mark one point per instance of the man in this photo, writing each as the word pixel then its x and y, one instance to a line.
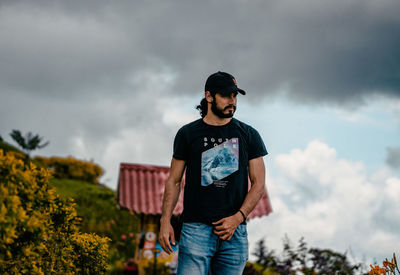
pixel 219 153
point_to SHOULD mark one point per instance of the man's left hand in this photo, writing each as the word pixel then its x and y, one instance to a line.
pixel 225 227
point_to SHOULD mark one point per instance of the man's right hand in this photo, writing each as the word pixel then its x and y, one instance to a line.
pixel 166 234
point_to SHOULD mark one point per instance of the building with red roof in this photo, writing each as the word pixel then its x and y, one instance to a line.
pixel 141 189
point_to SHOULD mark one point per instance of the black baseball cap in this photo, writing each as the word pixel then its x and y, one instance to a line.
pixel 222 83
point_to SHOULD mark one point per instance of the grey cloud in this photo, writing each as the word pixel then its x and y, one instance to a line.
pixel 54 52
pixel 383 217
pixel 106 130
pixel 333 52
pixel 303 193
pixel 95 70
pixel 393 157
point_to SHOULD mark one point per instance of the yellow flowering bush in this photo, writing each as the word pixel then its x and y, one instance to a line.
pixel 38 234
pixel 92 252
pixel 72 168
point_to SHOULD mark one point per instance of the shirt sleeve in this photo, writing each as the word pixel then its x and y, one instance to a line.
pixel 256 145
pixel 181 145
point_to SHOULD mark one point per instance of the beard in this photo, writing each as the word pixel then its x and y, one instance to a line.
pixel 220 112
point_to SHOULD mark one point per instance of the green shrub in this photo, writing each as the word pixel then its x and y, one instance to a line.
pixel 301 260
pixel 38 234
pixel 9 148
pixel 71 168
pixel 97 206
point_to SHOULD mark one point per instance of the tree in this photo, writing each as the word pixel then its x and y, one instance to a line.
pixel 302 260
pixel 260 252
pixel 28 143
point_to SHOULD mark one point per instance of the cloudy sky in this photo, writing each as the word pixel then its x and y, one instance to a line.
pixel 112 81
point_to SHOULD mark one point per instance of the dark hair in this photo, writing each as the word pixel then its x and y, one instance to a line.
pixel 203 107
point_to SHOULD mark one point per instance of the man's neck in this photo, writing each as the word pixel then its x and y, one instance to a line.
pixel 212 119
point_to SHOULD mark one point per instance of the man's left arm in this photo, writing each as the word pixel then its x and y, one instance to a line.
pixel 225 227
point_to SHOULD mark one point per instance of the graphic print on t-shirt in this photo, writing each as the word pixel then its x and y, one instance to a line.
pixel 219 162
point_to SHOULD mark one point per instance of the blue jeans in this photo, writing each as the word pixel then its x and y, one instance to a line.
pixel 202 252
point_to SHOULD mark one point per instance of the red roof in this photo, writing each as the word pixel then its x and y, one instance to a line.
pixel 141 189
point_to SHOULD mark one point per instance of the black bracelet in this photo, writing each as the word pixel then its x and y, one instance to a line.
pixel 244 216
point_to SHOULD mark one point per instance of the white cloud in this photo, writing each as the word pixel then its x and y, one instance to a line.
pixel 392 190
pixel 332 202
pixel 351 116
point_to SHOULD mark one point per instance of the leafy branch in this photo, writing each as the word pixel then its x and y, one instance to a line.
pixel 28 143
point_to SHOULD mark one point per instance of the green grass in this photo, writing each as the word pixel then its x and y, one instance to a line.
pixel 91 200
pixel 8 147
pixel 97 205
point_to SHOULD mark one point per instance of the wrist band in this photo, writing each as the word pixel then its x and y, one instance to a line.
pixel 244 216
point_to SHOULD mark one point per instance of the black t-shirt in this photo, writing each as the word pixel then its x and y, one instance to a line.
pixel 217 158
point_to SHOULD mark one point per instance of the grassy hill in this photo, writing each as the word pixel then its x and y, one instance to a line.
pixel 8 147
pixel 96 204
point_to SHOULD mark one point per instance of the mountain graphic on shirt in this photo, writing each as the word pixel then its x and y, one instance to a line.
pixel 220 161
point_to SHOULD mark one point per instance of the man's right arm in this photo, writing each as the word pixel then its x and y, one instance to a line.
pixel 171 195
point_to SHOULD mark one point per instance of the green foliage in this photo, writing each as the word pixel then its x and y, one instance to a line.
pixel 6 147
pixel 38 234
pixel 92 253
pixel 96 205
pixel 161 268
pixel 260 252
pixel 301 260
pixel 71 168
pixel 28 143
